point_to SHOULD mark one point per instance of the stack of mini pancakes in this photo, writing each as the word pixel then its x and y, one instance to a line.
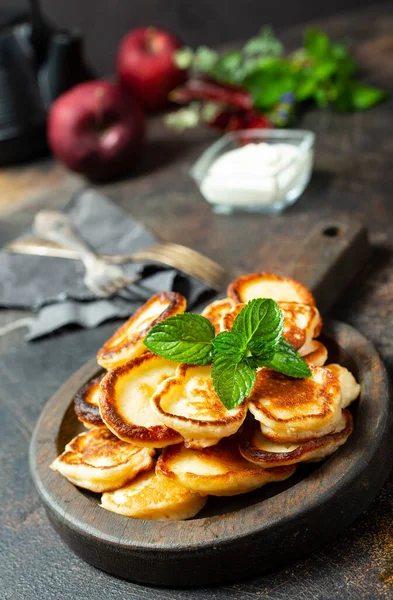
pixel 159 441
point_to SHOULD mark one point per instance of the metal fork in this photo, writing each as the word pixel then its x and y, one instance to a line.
pixel 101 278
pixel 173 255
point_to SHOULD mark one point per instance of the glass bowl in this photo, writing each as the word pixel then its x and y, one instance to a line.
pixel 266 185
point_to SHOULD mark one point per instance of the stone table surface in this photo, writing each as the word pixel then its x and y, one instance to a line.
pixel 353 174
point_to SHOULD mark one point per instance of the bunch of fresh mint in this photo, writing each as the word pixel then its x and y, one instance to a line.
pixel 255 340
pixel 321 71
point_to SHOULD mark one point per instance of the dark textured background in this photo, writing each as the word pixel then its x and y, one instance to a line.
pixel 197 22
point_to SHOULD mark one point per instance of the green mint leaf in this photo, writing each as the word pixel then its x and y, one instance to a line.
pixel 266 43
pixel 209 111
pixel 229 344
pixel 324 70
pixel 321 97
pixel 184 118
pixel 305 87
pixel 286 360
pixel 339 51
pixel 260 318
pixel 185 338
pixel 261 351
pixel 232 382
pixel 205 59
pixel 183 57
pixel 230 61
pixel 267 83
pixel 316 43
pixel 366 96
pixel 341 96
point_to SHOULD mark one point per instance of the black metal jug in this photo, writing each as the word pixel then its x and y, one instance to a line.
pixel 38 62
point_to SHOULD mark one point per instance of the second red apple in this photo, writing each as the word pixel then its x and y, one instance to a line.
pixel 96 130
pixel 145 65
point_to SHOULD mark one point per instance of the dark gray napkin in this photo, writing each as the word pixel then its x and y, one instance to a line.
pixel 53 287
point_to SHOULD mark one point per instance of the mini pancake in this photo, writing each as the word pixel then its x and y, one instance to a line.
pixel 86 403
pixel 258 449
pixel 292 410
pixel 269 285
pixel 228 319
pixel 189 404
pixel 302 323
pixel 127 341
pixel 318 354
pixel 152 497
pixel 350 389
pixel 216 311
pixel 125 401
pixel 219 471
pixel 98 461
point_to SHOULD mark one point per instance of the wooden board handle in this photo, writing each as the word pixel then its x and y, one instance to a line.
pixel 330 257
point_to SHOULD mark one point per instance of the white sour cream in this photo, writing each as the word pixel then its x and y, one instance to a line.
pixel 257 175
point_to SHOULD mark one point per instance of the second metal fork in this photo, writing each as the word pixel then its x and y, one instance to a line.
pixel 101 278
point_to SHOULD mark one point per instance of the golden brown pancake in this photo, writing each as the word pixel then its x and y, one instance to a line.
pixel 86 403
pixel 215 312
pixel 350 389
pixel 228 319
pixel 125 401
pixel 296 410
pixel 260 450
pixel 317 356
pixel 152 497
pixel 269 285
pixel 189 404
pixel 219 470
pixel 302 323
pixel 127 341
pixel 98 461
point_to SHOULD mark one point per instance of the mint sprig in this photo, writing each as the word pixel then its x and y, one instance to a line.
pixel 229 344
pixel 322 72
pixel 255 341
pixel 286 360
pixel 260 320
pixel 185 338
pixel 233 382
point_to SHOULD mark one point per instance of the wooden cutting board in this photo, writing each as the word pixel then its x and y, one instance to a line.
pixel 244 535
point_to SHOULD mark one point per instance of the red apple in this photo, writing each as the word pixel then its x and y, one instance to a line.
pixel 96 129
pixel 146 67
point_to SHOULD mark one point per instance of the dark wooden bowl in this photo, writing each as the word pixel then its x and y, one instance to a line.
pixel 232 537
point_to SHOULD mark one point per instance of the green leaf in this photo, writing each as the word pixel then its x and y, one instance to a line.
pixel 229 344
pixel 305 90
pixel 231 61
pixel 321 97
pixel 316 42
pixel 365 96
pixel 185 338
pixel 286 360
pixel 264 44
pixel 184 118
pixel 260 318
pixel 341 95
pixel 339 51
pixel 205 58
pixel 324 70
pixel 183 57
pixel 261 351
pixel 232 382
pixel 268 84
pixel 209 111
pixel 346 65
